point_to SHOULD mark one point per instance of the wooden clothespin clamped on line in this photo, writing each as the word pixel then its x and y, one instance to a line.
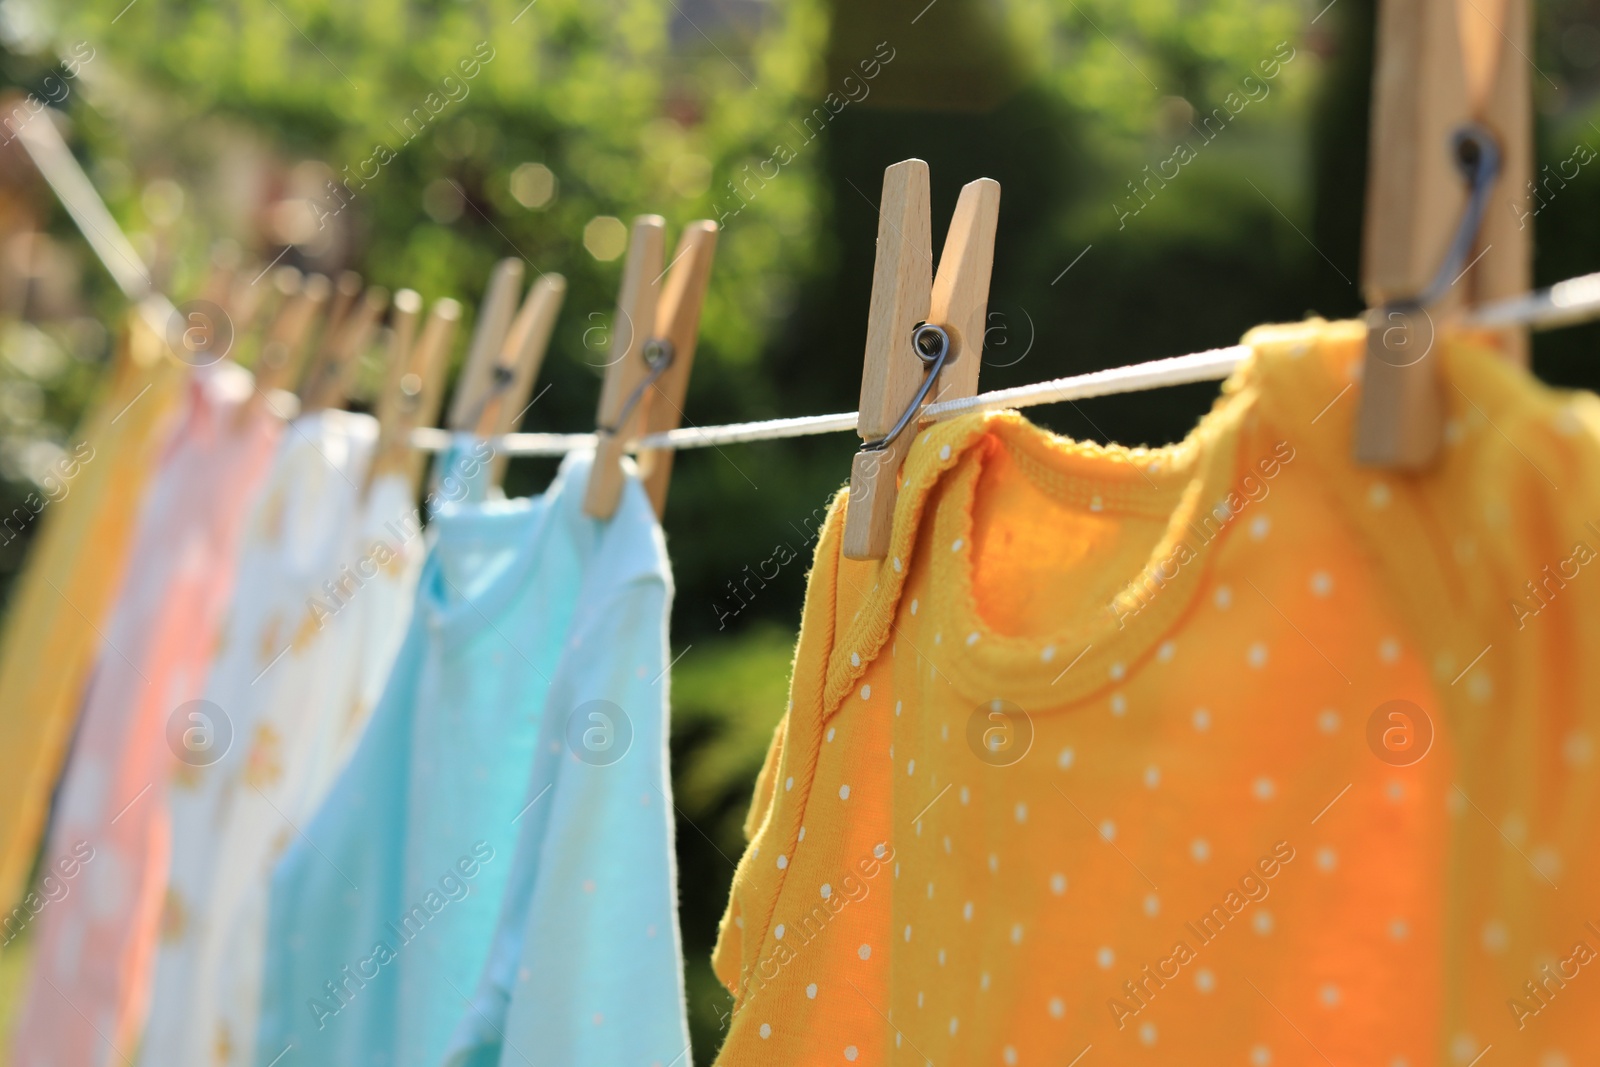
pixel 653 339
pixel 1451 99
pixel 924 336
pixel 254 294
pixel 278 361
pixel 413 388
pixel 475 382
pixel 516 368
pixel 505 355
pixel 345 335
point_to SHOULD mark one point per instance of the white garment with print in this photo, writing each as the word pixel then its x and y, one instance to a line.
pixel 325 587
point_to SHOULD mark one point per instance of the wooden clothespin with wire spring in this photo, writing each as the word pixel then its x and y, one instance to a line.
pixel 653 340
pixel 413 387
pixel 1451 101
pixel 924 336
pixel 345 336
pixel 494 321
pixel 678 326
pixel 517 368
pixel 202 331
pixel 258 295
pixel 281 347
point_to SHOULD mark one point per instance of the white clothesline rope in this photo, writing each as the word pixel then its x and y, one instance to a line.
pixel 1199 367
pixel 1572 301
pixel 1565 303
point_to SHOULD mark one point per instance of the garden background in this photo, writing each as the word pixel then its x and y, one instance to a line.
pixel 229 119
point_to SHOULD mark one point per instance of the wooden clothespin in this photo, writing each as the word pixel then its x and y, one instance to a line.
pixel 266 300
pixel 494 320
pixel 346 289
pixel 284 342
pixel 652 350
pixel 903 368
pixel 631 327
pixel 677 323
pixel 254 294
pixel 517 367
pixel 1440 65
pixel 413 388
pixel 348 331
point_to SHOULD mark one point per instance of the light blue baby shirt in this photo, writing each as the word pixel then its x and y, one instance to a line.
pixel 587 964
pixel 384 911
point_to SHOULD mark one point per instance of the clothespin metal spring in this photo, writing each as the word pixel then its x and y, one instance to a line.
pixel 1477 156
pixel 500 379
pixel 657 353
pixel 932 345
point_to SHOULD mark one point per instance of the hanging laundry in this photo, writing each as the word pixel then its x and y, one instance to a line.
pixel 95 950
pixel 382 915
pixel 586 965
pixel 323 600
pixel 1231 747
pixel 62 598
pixel 368 629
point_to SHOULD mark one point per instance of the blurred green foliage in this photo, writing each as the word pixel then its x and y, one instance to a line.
pixel 726 701
pixel 776 119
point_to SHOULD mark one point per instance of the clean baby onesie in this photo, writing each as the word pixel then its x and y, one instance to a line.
pixel 355 654
pixel 291 674
pixel 61 599
pixel 382 913
pixel 93 957
pixel 1231 752
pixel 586 965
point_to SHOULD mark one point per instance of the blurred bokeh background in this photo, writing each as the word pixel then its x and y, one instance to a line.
pixel 539 129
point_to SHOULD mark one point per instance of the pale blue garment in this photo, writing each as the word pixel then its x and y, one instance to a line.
pixel 587 966
pixel 383 911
